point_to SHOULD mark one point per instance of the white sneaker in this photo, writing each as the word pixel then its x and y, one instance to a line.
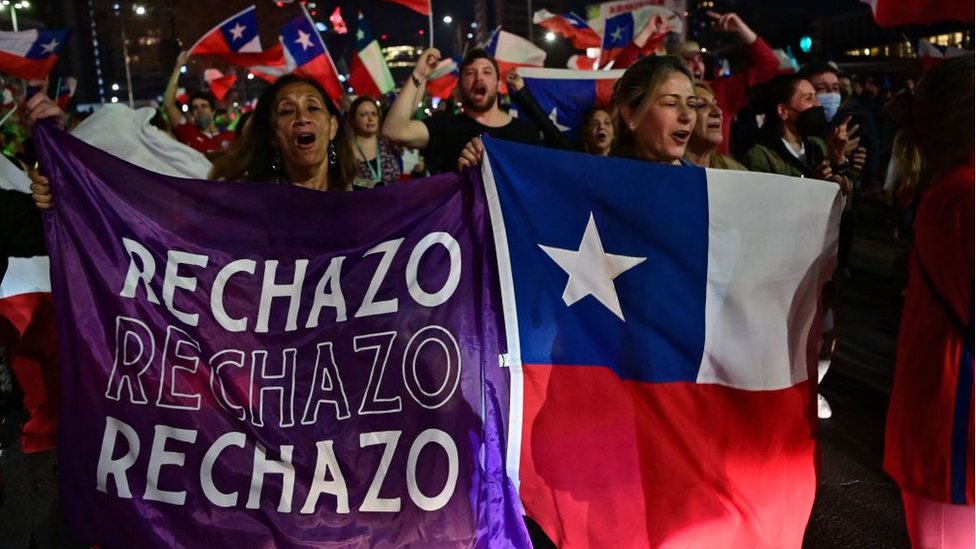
pixel 823 408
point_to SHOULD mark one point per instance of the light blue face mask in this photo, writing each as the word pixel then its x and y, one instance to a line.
pixel 830 102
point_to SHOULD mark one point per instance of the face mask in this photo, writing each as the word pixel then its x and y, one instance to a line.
pixel 830 102
pixel 811 122
pixel 203 121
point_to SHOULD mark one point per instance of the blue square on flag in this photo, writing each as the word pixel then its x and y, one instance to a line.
pixel 301 40
pixel 615 277
pixel 576 21
pixel 364 36
pixel 241 30
pixel 619 31
pixel 48 43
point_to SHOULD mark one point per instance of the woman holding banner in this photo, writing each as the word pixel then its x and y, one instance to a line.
pixel 295 137
pixel 655 109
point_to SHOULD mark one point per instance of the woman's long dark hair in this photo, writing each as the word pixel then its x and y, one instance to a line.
pixel 779 90
pixel 249 158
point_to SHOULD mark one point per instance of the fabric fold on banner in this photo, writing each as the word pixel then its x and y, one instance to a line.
pixel 662 323
pixel 260 365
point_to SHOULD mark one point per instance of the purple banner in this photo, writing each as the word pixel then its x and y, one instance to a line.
pixel 257 365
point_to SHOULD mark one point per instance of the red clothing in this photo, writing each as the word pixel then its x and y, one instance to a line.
pixel 188 134
pixel 732 92
pixel 929 439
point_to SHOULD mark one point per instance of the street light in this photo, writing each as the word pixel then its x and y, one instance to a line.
pixel 448 19
pixel 14 6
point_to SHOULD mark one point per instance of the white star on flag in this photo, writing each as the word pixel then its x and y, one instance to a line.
pixel 360 34
pixel 617 34
pixel 305 39
pixel 50 46
pixel 555 122
pixel 238 31
pixel 591 270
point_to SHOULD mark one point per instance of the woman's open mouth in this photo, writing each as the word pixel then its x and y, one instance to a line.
pixel 305 140
pixel 681 136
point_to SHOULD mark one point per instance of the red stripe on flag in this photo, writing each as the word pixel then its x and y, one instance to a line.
pixel 321 70
pixel 420 6
pixel 892 13
pixel 28 69
pixel 607 463
pixel 361 80
pixel 33 352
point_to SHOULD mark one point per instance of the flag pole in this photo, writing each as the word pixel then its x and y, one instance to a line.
pixel 430 25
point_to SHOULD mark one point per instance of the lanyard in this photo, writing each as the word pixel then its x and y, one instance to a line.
pixel 375 171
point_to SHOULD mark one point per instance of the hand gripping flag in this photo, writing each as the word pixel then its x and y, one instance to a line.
pixel 893 13
pixel 30 54
pixel 567 96
pixel 570 26
pixel 308 56
pixel 236 40
pixel 662 323
pixel 369 74
pixel 329 381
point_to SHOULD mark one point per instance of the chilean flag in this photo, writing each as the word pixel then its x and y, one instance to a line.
pixel 568 95
pixel 369 74
pixel 568 25
pixel 237 41
pixel 307 55
pixel 30 54
pixel 444 78
pixel 893 13
pixel 512 51
pixel 237 34
pixel 618 33
pixel 662 326
pixel 219 82
pixel 66 92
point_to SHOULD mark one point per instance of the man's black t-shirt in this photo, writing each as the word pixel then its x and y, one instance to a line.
pixel 449 133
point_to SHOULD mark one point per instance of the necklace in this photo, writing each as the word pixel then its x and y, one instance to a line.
pixel 374 171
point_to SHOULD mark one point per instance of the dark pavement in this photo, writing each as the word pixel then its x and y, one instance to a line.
pixel 857 505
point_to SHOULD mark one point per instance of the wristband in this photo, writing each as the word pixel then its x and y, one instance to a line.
pixel 415 80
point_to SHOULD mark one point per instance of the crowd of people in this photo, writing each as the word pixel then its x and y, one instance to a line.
pixel 663 109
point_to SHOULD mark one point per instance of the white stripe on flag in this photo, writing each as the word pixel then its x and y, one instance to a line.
pixel 569 74
pixel 794 246
pixel 18 43
pixel 514 358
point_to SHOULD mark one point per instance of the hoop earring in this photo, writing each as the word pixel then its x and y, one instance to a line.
pixel 333 158
pixel 276 163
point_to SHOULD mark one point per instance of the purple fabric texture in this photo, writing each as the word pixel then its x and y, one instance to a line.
pixel 257 365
